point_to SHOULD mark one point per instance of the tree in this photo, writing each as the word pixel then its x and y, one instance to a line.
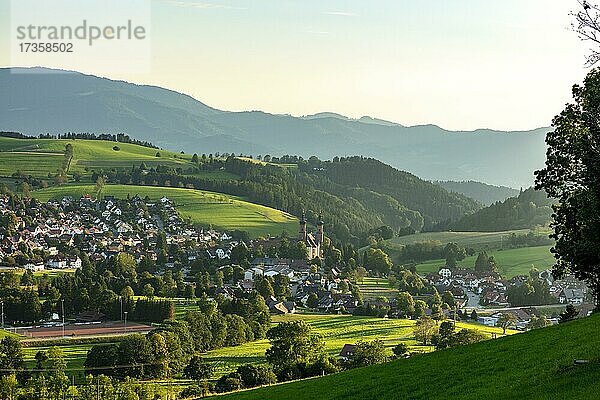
pixel 448 298
pixel 148 291
pixel 569 314
pixel 406 304
pixel 474 315
pixel 293 343
pixel 256 375
pixel 401 350
pixel 100 183
pixel 11 356
pixel 368 353
pixel 571 177
pixel 263 287
pixel 127 292
pixel 101 359
pixel 453 253
pixel 506 320
pixel 420 307
pixel 8 386
pixel 424 330
pixel 378 261
pixel 537 323
pixel 312 301
pixel 25 190
pixel 485 263
pixel 587 26
pixel 198 369
pixel 444 336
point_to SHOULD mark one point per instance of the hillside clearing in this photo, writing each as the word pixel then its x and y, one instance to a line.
pixel 510 262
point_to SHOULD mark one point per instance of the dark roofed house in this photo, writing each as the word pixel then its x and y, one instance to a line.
pixel 347 351
pixel 572 296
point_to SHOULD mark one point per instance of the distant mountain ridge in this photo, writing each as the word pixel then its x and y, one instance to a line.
pixel 51 101
pixel 482 192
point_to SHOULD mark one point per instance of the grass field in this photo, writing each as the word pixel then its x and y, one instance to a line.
pixel 38 157
pixel 205 208
pixel 534 365
pixel 74 356
pixel 336 330
pixel 372 288
pixel 462 238
pixel 511 262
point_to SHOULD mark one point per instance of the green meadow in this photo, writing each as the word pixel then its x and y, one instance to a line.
pixel 38 157
pixel 371 288
pixel 534 365
pixel 203 207
pixel 468 239
pixel 336 330
pixel 511 262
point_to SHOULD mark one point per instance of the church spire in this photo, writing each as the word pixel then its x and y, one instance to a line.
pixel 302 233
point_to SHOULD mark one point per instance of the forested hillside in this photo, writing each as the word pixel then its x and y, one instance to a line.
pixel 529 209
pixel 482 192
pixel 356 195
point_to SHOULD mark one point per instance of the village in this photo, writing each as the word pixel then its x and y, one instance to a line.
pixel 40 238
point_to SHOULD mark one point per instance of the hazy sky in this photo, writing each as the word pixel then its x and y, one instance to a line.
pixel 461 64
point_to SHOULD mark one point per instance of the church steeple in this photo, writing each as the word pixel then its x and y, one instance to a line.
pixel 320 233
pixel 302 233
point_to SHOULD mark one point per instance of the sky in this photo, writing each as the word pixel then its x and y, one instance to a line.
pixel 460 64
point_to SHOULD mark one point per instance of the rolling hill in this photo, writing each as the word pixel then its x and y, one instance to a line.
pixel 204 208
pixel 530 209
pixel 534 365
pixel 342 190
pixel 41 100
pixel 38 157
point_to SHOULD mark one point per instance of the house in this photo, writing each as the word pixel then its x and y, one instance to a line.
pixel 74 262
pixel 34 267
pixel 57 262
pixel 487 321
pixel 276 306
pixel 571 296
pixel 445 272
pixel 347 352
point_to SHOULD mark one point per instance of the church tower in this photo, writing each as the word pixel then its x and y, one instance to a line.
pixel 320 233
pixel 302 233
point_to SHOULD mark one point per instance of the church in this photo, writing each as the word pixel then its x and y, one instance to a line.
pixel 313 242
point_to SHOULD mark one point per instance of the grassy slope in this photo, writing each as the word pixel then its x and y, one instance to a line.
pixel 371 288
pixel 462 238
pixel 534 365
pixel 39 157
pixel 510 262
pixel 220 210
pixel 336 330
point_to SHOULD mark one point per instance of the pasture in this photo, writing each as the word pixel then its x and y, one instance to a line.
pixel 336 330
pixel 202 207
pixel 534 365
pixel 38 157
pixel 371 288
pixel 510 262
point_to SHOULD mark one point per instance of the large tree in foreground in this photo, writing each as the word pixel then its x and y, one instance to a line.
pixel 572 177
